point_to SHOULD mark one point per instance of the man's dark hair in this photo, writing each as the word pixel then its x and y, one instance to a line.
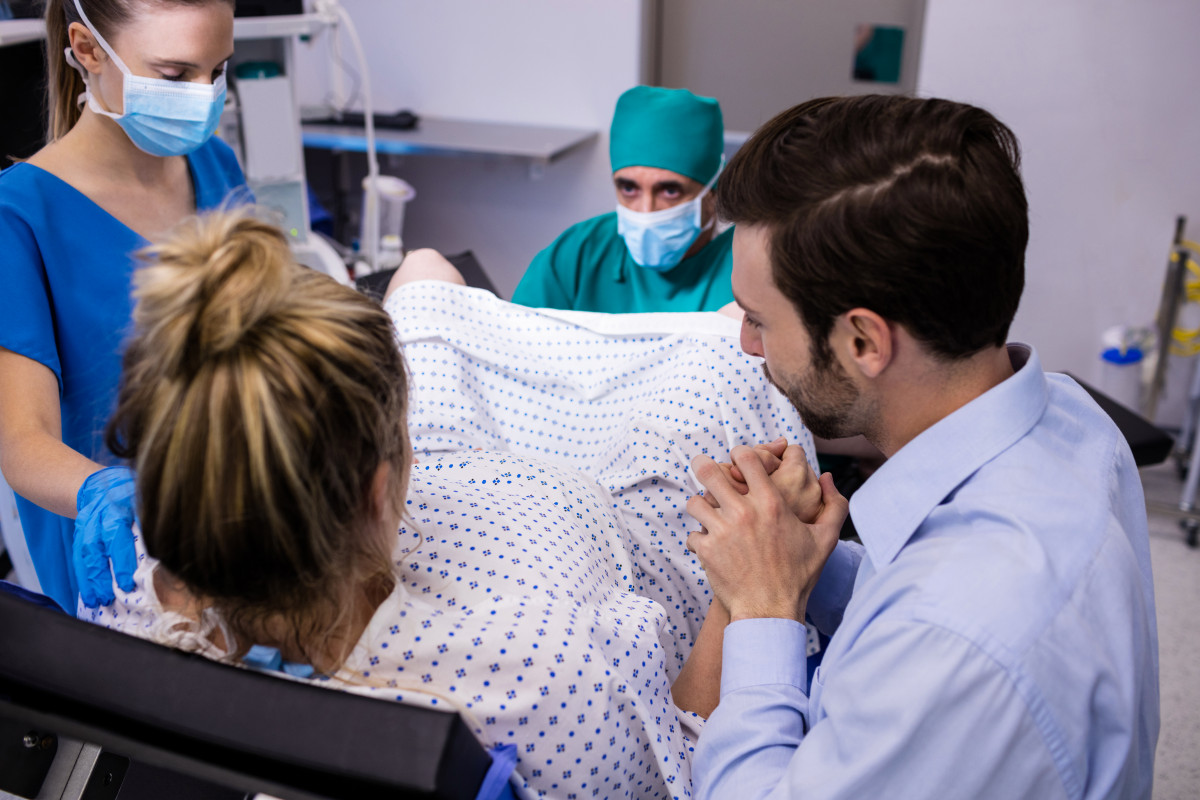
pixel 909 207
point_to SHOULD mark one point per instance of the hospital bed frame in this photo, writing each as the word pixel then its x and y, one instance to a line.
pixel 64 682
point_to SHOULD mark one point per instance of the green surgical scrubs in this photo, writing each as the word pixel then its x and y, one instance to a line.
pixel 588 268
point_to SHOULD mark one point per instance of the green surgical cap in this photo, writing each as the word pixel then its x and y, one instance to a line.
pixel 669 129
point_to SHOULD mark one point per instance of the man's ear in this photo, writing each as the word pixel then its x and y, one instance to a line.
pixel 865 339
pixel 88 51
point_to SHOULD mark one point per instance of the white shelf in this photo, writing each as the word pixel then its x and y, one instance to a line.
pixel 16 31
pixel 438 136
pixel 277 27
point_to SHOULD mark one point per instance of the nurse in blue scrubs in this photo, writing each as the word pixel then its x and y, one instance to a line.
pixel 135 92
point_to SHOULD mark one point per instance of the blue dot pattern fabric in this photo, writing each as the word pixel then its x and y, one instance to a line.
pixel 630 409
pixel 515 608
pixel 543 590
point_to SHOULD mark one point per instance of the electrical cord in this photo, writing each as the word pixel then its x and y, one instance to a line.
pixel 350 72
pixel 333 9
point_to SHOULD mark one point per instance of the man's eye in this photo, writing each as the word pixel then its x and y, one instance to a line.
pixel 176 78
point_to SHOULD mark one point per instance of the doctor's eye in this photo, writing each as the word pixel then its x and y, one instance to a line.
pixel 670 190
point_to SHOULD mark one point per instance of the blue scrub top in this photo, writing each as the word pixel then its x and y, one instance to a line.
pixel 65 267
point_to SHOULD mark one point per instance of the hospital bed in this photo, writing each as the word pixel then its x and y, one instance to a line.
pixel 86 712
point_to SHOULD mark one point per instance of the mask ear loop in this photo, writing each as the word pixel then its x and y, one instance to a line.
pixel 87 97
pixel 713 180
pixel 101 40
pixel 708 188
pixel 72 62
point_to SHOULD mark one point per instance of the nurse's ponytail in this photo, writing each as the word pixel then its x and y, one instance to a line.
pixel 63 84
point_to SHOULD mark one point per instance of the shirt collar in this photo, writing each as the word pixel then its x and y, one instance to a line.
pixel 890 507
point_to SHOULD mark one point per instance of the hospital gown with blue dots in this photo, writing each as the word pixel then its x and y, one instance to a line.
pixel 629 399
pixel 515 608
pixel 544 591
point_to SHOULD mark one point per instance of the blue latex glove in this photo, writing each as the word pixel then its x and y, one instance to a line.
pixel 104 532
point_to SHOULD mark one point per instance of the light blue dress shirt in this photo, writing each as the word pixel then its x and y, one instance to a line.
pixel 996 639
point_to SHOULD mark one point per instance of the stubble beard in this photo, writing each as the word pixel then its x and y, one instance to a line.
pixel 825 399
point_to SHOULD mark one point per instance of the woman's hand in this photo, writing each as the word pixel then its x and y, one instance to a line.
pixel 789 470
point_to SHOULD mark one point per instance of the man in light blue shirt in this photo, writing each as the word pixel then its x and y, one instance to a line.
pixel 994 636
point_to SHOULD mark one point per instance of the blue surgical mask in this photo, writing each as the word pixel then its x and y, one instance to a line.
pixel 161 117
pixel 657 240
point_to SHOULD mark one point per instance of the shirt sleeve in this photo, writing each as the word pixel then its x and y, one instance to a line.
pixel 829 597
pixel 911 711
pixel 540 286
pixel 26 317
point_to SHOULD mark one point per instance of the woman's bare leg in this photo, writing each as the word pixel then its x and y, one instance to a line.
pixel 425 264
pixel 732 310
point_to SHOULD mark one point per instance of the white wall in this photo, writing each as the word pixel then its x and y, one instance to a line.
pixel 1098 91
pixel 1101 95
pixel 542 62
pixel 759 57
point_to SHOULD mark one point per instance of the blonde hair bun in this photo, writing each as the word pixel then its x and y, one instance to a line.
pixel 210 284
pixel 258 402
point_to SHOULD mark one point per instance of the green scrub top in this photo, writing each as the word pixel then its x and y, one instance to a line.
pixel 588 268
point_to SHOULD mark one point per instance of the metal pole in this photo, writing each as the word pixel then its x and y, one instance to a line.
pixel 1168 310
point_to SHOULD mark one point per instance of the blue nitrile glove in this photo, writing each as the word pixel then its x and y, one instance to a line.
pixel 104 532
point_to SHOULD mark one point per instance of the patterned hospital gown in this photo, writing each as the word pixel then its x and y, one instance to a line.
pixel 544 588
